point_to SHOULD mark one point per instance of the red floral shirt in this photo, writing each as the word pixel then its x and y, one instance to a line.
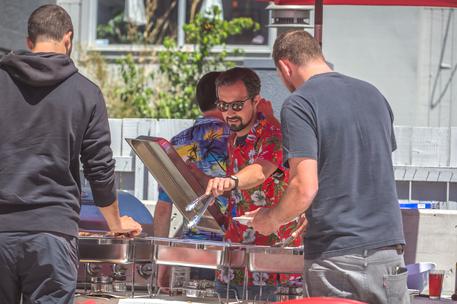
pixel 263 142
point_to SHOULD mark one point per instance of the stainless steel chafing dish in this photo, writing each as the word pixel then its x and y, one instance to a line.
pixel 170 171
pixel 114 250
pixel 275 259
pixel 198 253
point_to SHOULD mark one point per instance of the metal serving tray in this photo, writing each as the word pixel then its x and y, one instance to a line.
pixel 198 253
pixel 170 171
pixel 114 250
pixel 275 259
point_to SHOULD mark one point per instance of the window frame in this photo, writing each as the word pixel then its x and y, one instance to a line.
pixel 89 35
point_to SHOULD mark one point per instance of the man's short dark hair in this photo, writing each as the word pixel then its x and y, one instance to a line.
pixel 249 78
pixel 49 22
pixel 206 91
pixel 297 46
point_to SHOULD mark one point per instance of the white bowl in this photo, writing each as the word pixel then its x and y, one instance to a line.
pixel 418 275
pixel 243 220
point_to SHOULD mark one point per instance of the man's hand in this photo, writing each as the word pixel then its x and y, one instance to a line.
pixel 263 222
pixel 300 193
pixel 217 186
pixel 127 227
pixel 130 225
pixel 302 225
pixel 124 225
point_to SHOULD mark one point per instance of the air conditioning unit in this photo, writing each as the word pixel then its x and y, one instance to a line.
pixel 290 16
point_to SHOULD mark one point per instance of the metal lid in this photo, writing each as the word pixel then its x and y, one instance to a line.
pixel 171 172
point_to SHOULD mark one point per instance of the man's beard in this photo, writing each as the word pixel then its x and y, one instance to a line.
pixel 241 126
pixel 234 127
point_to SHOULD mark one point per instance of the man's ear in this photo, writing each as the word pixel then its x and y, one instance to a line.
pixel 68 41
pixel 30 44
pixel 285 67
pixel 256 99
pixel 68 37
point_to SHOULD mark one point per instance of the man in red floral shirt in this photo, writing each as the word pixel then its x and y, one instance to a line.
pixel 255 174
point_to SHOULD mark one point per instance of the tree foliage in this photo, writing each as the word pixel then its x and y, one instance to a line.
pixel 182 68
pixel 169 91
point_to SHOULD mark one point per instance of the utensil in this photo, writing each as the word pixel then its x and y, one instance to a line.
pixel 192 223
pixel 285 242
pixel 289 240
pixel 191 206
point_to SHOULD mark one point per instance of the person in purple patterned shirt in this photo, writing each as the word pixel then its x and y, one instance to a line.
pixel 203 145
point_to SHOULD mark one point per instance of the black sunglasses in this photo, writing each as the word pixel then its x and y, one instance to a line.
pixel 236 105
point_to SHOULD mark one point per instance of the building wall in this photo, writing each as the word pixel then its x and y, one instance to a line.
pixel 379 45
pixel 13 22
pixel 409 53
pixel 437 69
pixel 398 49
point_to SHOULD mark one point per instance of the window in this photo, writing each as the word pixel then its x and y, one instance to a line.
pixel 112 27
pixel 234 9
pixel 127 21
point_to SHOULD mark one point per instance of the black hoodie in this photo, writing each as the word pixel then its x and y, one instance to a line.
pixel 50 116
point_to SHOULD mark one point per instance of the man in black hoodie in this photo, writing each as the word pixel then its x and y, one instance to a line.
pixel 50 116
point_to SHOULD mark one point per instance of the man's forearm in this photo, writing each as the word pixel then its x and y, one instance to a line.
pixel 294 202
pixel 300 193
pixel 249 177
pixel 255 174
pixel 116 223
pixel 111 215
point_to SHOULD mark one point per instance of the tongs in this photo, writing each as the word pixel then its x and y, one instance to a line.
pixel 207 198
pixel 295 234
pixel 191 206
pixel 285 242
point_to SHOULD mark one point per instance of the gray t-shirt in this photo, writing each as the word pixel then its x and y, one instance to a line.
pixel 346 125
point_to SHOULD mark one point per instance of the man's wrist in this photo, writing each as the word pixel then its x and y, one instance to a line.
pixel 114 224
pixel 236 181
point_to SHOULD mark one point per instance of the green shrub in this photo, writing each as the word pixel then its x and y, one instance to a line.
pixel 168 92
pixel 182 68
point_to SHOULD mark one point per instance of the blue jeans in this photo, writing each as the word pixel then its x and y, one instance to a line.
pixel 236 291
pixel 372 276
pixel 202 274
pixel 42 267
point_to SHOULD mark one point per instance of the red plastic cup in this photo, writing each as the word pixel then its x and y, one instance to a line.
pixel 435 283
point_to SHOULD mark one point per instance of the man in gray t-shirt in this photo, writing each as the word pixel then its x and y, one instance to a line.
pixel 338 141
